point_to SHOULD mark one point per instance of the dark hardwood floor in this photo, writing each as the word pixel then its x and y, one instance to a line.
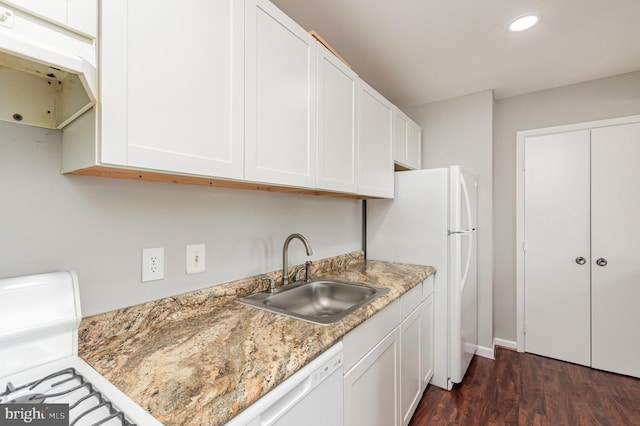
pixel 525 389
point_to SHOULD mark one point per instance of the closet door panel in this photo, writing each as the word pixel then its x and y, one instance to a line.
pixel 616 239
pixel 557 294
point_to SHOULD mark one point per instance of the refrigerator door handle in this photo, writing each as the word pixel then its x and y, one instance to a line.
pixel 466 231
pixel 468 263
pixel 465 191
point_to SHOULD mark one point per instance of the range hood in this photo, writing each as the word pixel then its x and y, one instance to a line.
pixel 48 75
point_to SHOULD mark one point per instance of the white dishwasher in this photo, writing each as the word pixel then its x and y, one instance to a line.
pixel 312 396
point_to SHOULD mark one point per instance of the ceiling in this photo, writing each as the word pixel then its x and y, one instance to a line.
pixel 420 51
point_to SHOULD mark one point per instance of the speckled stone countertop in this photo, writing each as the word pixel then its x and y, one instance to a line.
pixel 199 358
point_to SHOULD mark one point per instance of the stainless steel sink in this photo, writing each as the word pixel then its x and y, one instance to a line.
pixel 320 302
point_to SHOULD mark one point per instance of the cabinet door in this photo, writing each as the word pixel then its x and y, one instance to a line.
pixel 414 145
pixel 280 79
pixel 53 10
pixel 337 149
pixel 615 237
pixel 78 15
pixel 557 229
pixel 371 396
pixel 375 138
pixel 173 96
pixel 411 335
pixel 399 138
pixel 406 142
pixel 426 342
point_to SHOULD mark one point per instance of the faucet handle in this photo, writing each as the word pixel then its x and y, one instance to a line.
pixel 296 276
pixel 307 272
pixel 272 284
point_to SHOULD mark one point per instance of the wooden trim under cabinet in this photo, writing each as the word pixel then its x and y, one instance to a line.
pixel 120 173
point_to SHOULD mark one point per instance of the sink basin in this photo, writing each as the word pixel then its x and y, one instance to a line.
pixel 320 302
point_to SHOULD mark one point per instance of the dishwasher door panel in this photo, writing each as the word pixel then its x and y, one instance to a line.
pixel 313 396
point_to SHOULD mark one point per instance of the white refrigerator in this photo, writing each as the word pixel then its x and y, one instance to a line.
pixel 432 221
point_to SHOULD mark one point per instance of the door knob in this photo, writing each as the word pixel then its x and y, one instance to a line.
pixel 601 262
pixel 581 260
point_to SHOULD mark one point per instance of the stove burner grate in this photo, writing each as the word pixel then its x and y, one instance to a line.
pixel 86 404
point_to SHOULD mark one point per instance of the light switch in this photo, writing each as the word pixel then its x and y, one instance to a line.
pixel 196 258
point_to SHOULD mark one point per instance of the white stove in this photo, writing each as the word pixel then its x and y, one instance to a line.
pixel 39 363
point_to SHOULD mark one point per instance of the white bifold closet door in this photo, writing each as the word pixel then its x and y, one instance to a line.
pixel 557 222
pixel 615 242
pixel 582 247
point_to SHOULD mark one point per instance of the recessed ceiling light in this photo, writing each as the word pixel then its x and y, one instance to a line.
pixel 524 22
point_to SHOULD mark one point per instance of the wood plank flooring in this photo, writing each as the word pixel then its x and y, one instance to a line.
pixel 526 389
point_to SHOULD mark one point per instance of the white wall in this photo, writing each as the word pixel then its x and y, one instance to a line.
pixel 612 97
pixel 459 131
pixel 98 226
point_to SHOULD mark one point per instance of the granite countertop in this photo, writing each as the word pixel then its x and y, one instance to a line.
pixel 200 358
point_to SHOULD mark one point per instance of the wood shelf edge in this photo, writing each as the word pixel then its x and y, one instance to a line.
pixel 121 173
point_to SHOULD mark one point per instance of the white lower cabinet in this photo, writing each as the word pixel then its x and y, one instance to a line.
pixel 385 358
pixel 371 387
pixel 410 348
pixel 410 380
pixel 426 342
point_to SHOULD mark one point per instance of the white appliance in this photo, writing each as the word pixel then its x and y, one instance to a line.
pixel 313 396
pixel 39 318
pixel 432 221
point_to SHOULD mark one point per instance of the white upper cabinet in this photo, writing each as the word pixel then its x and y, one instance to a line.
pixel 337 143
pixel 239 94
pixel 406 142
pixel 171 100
pixel 78 15
pixel 375 138
pixel 280 107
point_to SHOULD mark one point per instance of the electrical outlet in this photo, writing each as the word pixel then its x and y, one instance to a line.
pixel 196 258
pixel 152 264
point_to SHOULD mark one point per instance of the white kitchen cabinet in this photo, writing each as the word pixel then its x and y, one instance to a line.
pixel 581 234
pixel 371 387
pixel 426 337
pixel 171 101
pixel 375 139
pixel 280 108
pixel 407 142
pixel 371 364
pixel 387 361
pixel 78 15
pixel 410 347
pixel 337 144
pixel 239 107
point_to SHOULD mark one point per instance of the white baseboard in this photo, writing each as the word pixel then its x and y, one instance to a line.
pixel 485 352
pixel 509 344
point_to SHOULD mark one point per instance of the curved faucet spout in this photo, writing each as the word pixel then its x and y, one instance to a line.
pixel 285 254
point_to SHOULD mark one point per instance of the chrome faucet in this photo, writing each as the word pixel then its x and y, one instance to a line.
pixel 285 255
